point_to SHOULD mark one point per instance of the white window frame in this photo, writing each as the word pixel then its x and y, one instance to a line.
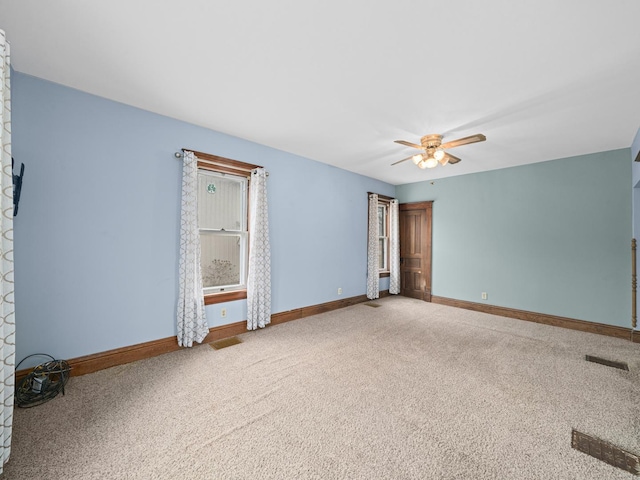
pixel 384 236
pixel 243 233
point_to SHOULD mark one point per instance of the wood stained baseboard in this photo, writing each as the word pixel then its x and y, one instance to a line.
pixel 556 321
pixel 120 356
pixel 298 313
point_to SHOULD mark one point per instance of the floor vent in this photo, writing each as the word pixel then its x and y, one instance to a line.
pixel 606 452
pixel 226 342
pixel 371 304
pixel 608 363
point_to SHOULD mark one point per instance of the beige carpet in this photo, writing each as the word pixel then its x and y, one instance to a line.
pixel 409 390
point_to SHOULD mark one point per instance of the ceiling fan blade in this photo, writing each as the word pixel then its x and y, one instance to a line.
pixel 450 159
pixel 478 137
pixel 408 144
pixel 403 160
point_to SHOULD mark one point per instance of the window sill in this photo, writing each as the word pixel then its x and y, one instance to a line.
pixel 385 274
pixel 221 297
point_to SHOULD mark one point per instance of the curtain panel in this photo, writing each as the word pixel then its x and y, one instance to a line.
pixel 259 276
pixel 394 248
pixel 7 316
pixel 373 271
pixel 192 321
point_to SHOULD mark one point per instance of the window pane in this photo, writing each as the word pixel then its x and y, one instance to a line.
pixel 221 201
pixel 381 219
pixel 382 253
pixel 221 258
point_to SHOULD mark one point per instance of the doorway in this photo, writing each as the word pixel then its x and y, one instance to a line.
pixel 415 249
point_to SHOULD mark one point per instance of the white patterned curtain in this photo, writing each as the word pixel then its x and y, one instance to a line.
pixel 192 321
pixel 373 270
pixel 7 318
pixel 394 248
pixel 259 279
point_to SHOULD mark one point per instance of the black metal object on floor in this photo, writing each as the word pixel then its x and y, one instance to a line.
pixel 43 383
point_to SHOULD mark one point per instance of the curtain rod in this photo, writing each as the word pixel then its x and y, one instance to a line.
pixel 180 155
pixel 380 196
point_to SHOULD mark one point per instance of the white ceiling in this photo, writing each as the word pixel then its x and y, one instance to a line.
pixel 339 81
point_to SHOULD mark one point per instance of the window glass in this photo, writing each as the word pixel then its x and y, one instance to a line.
pixel 221 259
pixel 381 220
pixel 221 201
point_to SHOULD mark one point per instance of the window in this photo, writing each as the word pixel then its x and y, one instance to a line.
pixel 223 199
pixel 383 234
pixel 222 218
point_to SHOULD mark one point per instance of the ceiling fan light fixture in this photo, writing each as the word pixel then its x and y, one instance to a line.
pixel 434 151
pixel 430 162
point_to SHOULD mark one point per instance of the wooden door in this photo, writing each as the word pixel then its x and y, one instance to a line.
pixel 415 250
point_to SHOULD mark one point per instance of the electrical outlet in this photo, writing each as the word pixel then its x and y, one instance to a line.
pixel 223 312
pixel 484 295
pixel 339 290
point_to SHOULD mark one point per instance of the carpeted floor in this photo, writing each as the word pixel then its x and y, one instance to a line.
pixel 409 390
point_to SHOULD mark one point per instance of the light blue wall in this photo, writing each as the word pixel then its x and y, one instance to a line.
pixel 635 149
pixel 551 237
pixel 96 238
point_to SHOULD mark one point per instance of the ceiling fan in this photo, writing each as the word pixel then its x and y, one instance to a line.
pixel 434 150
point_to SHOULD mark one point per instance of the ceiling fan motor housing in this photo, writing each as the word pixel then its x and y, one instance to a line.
pixel 431 142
